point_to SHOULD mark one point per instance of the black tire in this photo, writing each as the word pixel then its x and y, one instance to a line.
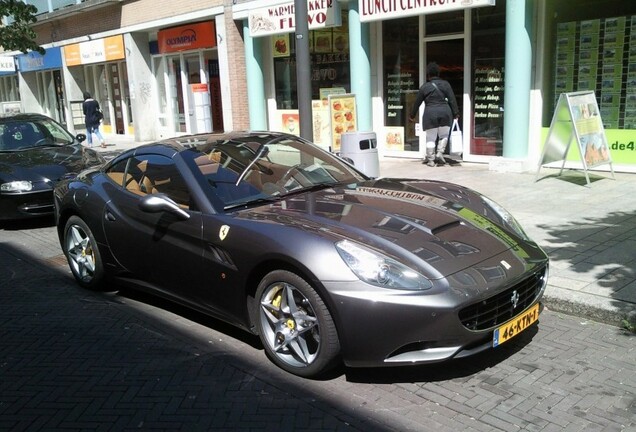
pixel 295 325
pixel 83 254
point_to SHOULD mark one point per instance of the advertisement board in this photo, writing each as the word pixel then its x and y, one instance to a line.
pixel 577 119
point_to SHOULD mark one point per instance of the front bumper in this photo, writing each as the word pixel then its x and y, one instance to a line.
pixel 14 206
pixel 381 327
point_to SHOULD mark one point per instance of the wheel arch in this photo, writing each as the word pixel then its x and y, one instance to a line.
pixel 62 218
pixel 265 267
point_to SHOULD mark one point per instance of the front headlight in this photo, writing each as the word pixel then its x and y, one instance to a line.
pixel 506 217
pixel 16 186
pixel 380 270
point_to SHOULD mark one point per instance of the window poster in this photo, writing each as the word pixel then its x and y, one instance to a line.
pixel 630 85
pixel 291 123
pixel 280 46
pixel 394 138
pixel 599 55
pixel 342 116
pixel 320 123
pixel 326 92
pixel 287 121
pixel 612 71
pixel 588 54
pixel 564 77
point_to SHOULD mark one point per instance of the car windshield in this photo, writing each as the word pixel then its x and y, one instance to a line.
pixel 24 134
pixel 258 169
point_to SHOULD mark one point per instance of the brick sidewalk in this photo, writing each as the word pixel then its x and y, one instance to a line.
pixel 75 359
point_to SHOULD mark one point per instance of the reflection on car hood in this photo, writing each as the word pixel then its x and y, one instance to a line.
pixel 440 225
pixel 46 163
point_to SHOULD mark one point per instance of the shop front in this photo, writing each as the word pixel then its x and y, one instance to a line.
pixel 99 68
pixel 507 61
pixel 185 65
pixel 9 89
pixel 592 47
pixel 401 43
pixel 468 45
pixel 272 27
pixel 40 83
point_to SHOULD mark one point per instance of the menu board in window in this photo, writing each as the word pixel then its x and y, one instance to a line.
pixel 489 100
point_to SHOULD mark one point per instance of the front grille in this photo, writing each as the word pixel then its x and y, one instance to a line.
pixel 498 309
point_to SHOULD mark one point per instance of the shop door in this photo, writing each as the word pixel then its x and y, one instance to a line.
pixel 215 95
pixel 117 86
pixel 51 94
pixel 449 55
pixel 176 94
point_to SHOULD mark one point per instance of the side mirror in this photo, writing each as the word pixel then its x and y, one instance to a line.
pixel 156 203
pixel 80 137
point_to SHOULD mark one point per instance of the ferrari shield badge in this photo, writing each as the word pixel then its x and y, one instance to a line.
pixel 223 232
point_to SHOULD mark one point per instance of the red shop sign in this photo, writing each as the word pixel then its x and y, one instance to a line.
pixel 187 37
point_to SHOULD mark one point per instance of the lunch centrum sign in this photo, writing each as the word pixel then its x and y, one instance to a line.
pixel 374 10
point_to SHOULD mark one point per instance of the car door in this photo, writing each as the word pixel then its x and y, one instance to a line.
pixel 158 248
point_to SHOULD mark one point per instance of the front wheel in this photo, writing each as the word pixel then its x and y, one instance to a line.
pixel 82 254
pixel 295 326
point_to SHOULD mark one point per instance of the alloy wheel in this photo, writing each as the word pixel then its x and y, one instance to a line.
pixel 80 252
pixel 290 326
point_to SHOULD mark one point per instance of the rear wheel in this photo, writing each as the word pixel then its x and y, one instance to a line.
pixel 295 325
pixel 82 254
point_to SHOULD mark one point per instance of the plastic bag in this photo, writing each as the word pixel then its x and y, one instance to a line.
pixel 456 140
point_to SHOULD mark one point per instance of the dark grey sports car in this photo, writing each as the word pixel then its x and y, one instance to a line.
pixel 35 153
pixel 273 234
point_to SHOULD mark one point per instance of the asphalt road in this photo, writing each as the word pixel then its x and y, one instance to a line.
pixel 77 360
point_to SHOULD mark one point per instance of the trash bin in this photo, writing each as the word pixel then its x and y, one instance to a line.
pixel 362 149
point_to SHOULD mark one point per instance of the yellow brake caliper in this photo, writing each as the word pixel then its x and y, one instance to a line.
pixel 290 323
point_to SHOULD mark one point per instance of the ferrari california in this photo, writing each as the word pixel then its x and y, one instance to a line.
pixel 35 153
pixel 271 233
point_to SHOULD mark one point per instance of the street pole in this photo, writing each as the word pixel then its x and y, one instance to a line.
pixel 303 69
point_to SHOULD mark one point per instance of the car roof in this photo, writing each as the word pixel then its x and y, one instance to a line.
pixel 214 137
pixel 182 143
pixel 170 146
pixel 5 118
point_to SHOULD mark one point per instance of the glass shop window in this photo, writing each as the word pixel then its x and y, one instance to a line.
pixel 329 54
pixel 400 47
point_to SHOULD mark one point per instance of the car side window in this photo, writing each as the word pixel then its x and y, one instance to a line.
pixel 117 171
pixel 148 174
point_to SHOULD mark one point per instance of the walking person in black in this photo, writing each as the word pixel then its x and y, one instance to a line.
pixel 92 118
pixel 440 108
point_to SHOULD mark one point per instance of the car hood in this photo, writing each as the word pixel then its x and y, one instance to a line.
pixel 48 164
pixel 439 227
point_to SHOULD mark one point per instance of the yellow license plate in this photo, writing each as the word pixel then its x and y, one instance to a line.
pixel 515 326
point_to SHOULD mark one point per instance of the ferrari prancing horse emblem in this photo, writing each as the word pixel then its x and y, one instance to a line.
pixel 223 232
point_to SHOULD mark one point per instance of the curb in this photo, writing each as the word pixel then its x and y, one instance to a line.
pixel 587 306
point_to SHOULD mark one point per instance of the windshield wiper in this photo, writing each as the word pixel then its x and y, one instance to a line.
pixel 312 188
pixel 255 201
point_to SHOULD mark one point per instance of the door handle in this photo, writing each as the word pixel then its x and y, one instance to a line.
pixel 109 216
